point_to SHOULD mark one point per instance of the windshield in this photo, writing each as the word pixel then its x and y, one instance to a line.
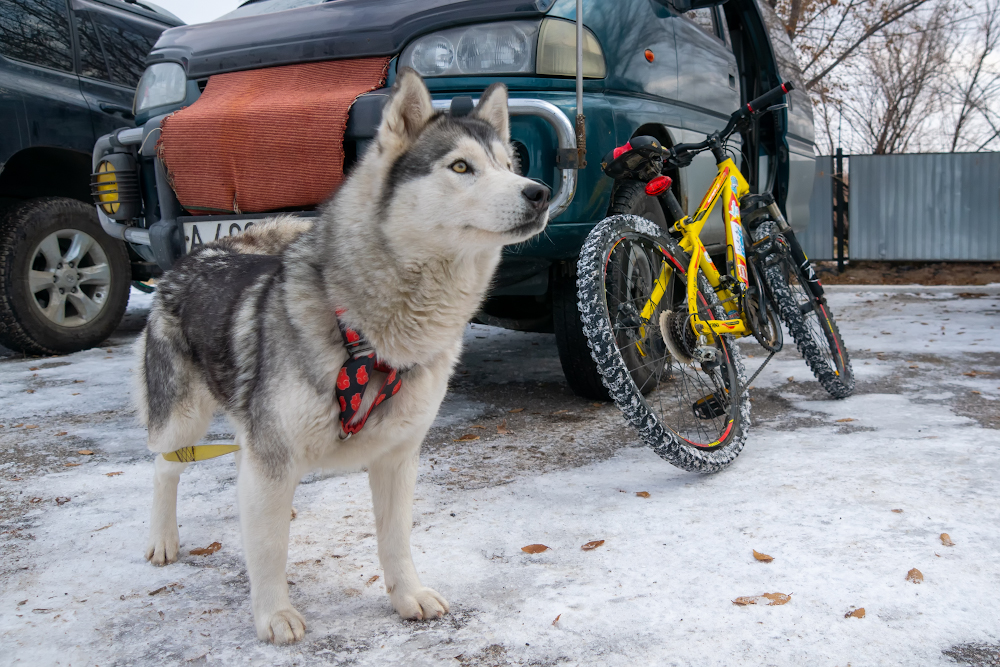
pixel 255 7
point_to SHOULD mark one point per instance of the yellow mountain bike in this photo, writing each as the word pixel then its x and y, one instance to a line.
pixel 661 318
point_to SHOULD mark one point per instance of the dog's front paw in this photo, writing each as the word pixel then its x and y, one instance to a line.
pixel 163 547
pixel 421 604
pixel 281 627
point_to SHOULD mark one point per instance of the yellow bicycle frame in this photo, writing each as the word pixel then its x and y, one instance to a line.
pixel 731 186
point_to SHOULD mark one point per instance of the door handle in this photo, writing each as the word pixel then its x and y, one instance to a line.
pixel 126 113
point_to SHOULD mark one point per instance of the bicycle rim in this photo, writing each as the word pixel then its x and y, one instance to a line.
pixel 691 399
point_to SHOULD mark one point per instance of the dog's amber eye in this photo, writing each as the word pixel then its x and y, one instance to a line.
pixel 460 167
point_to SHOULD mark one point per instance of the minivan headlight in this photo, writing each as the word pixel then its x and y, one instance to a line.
pixel 511 47
pixel 161 84
pixel 490 48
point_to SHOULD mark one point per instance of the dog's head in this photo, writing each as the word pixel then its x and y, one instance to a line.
pixel 451 179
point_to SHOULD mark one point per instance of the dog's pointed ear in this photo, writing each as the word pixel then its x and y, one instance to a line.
pixel 492 108
pixel 408 111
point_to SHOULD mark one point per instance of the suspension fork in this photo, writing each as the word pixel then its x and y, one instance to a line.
pixel 798 254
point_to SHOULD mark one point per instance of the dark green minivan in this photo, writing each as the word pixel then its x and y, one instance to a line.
pixel 671 69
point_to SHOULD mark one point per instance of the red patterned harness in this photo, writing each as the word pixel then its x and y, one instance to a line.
pixel 353 379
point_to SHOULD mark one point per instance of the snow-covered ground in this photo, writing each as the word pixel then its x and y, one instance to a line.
pixel 846 496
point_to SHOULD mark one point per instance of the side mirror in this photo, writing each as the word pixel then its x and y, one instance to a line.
pixel 687 5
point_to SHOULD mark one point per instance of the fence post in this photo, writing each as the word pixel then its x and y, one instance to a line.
pixel 838 207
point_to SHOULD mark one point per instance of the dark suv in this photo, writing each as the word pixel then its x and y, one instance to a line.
pixel 68 72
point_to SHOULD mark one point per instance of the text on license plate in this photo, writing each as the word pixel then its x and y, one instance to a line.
pixel 200 233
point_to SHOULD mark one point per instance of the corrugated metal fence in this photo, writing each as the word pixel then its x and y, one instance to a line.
pixel 817 240
pixel 926 206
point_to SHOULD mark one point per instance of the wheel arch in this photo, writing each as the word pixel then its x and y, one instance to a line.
pixel 45 171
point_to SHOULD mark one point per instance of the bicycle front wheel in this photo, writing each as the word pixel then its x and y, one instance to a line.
pixel 687 398
pixel 810 322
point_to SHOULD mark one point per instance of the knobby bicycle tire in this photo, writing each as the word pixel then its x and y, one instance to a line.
pixel 818 341
pixel 617 377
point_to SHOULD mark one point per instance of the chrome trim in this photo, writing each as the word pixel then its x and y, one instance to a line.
pixel 129 136
pixel 565 134
pixel 123 232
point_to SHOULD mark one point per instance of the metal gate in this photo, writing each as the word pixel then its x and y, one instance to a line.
pixel 911 207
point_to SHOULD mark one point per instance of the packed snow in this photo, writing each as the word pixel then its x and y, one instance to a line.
pixel 846 496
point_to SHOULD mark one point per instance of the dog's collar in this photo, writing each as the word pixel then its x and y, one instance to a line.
pixel 354 375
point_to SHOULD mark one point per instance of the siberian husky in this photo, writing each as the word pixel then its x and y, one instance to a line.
pixel 259 326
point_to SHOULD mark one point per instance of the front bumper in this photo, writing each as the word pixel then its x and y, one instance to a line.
pixel 158 234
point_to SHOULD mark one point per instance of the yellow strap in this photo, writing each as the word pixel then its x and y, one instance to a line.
pixel 199 453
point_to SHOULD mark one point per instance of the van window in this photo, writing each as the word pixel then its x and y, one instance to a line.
pixel 125 43
pixel 92 61
pixel 703 19
pixel 36 31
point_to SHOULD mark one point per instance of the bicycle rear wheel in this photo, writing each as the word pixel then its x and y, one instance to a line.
pixel 810 322
pixel 687 400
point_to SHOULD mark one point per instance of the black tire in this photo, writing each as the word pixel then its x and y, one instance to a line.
pixel 95 285
pixel 666 429
pixel 582 374
pixel 809 321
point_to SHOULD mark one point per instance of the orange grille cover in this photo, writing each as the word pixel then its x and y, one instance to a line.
pixel 267 139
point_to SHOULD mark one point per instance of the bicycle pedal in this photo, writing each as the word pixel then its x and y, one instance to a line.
pixel 708 407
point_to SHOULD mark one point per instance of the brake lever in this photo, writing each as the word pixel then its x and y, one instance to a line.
pixel 777 107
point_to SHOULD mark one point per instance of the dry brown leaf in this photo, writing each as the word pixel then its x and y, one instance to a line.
pixel 557 619
pixel 62 500
pixel 468 437
pixel 502 428
pixel 113 474
pixel 915 575
pixel 71 465
pixel 453 469
pixel 791 378
pixel 76 394
pixel 857 613
pixel 560 412
pixel 847 419
pixel 946 540
pixel 103 528
pixel 31 426
pixel 33 368
pixel 207 551
pixel 642 494
pixel 17 425
pixel 35 500
pixel 590 546
pixel 85 452
pixel 768 599
pixel 77 381
pixel 975 392
pixel 534 548
pixel 898 511
pixel 477 426
pixel 371 581
pixel 61 433
pixel 516 410
pixel 764 558
pixel 29 391
pixel 914 366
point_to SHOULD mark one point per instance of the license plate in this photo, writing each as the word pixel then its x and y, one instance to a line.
pixel 200 233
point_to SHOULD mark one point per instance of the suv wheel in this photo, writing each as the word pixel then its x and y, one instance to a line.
pixel 578 366
pixel 64 283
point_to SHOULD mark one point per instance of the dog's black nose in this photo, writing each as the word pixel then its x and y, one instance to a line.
pixel 537 194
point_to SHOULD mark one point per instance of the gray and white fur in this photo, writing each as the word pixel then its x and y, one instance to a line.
pixel 408 246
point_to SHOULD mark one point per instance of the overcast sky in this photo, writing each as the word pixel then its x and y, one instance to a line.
pixel 198 11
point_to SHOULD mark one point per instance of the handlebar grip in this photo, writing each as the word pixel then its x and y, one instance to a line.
pixel 773 95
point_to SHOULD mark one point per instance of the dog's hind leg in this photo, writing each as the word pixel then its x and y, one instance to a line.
pixel 392 479
pixel 265 511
